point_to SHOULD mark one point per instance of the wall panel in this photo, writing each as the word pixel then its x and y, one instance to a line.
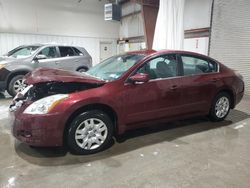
pixel 230 38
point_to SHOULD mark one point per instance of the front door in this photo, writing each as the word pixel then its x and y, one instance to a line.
pixel 51 55
pixel 158 98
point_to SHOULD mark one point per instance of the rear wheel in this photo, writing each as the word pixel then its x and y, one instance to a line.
pixel 220 107
pixel 16 85
pixel 90 132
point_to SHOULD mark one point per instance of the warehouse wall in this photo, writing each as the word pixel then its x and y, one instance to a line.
pixel 131 26
pixel 197 14
pixel 230 36
pixel 53 21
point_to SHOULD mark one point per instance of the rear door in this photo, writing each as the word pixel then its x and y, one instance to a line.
pixel 82 59
pixel 68 58
pixel 200 81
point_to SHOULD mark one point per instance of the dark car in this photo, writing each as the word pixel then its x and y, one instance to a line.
pixel 124 92
pixel 24 59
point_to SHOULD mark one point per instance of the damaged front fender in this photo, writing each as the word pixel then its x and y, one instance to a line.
pixel 45 89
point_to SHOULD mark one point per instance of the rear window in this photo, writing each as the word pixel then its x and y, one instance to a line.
pixel 78 52
pixel 66 51
pixel 194 65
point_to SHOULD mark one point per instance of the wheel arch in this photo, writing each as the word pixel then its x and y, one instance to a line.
pixel 15 73
pixel 96 106
pixel 231 94
pixel 82 67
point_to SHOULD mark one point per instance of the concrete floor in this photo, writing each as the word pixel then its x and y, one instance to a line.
pixel 192 153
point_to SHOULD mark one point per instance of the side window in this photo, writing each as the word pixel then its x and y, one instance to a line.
pixel 78 52
pixel 66 51
pixel 49 52
pixel 194 66
pixel 161 67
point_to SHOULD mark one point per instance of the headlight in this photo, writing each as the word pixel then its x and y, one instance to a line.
pixel 45 105
pixel 2 65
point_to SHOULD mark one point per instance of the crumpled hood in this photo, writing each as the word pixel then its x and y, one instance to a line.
pixel 42 75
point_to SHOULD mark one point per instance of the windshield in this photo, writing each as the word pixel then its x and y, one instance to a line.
pixel 22 52
pixel 114 67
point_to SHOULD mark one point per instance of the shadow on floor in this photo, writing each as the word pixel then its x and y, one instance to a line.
pixel 132 140
pixel 4 96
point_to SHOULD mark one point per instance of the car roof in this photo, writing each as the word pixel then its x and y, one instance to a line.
pixel 154 52
pixel 49 44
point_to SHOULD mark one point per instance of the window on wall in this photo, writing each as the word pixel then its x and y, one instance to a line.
pixel 161 67
pixel 194 65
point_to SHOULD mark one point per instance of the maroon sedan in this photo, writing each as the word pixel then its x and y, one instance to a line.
pixel 84 111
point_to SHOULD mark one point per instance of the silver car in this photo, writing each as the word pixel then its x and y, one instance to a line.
pixel 24 59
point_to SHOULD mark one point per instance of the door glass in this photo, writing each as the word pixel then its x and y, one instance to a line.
pixel 49 52
pixel 78 52
pixel 161 67
pixel 66 51
pixel 194 66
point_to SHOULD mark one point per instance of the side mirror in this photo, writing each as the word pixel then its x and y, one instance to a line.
pixel 139 78
pixel 40 56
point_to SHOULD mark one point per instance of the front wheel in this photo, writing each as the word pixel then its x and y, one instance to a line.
pixel 220 107
pixel 16 85
pixel 90 132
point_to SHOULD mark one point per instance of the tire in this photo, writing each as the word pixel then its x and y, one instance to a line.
pixel 13 85
pixel 82 70
pixel 83 137
pixel 220 107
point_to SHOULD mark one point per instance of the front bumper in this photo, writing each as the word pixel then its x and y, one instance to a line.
pixel 2 86
pixel 4 74
pixel 37 130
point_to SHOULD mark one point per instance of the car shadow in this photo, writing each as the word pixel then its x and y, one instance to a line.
pixel 4 96
pixel 132 140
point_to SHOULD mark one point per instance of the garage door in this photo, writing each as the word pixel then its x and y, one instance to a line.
pixel 230 38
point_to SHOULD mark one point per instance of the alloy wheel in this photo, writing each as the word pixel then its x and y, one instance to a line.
pixel 19 85
pixel 91 134
pixel 222 107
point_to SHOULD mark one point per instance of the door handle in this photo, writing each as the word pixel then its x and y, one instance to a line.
pixel 57 62
pixel 174 87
